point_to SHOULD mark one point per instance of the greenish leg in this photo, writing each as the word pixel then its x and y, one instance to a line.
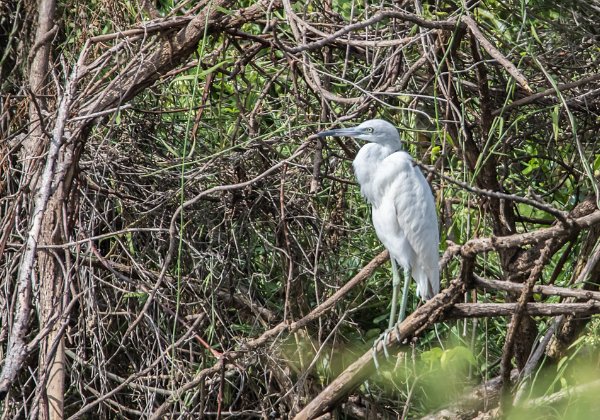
pixel 402 313
pixel 396 286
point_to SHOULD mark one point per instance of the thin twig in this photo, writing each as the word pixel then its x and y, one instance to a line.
pixel 560 215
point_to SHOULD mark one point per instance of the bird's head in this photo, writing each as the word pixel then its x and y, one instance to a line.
pixel 375 131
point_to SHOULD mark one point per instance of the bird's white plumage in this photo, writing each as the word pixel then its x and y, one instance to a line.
pixel 406 222
pixel 404 213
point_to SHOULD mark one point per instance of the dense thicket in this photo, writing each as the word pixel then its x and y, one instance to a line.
pixel 172 233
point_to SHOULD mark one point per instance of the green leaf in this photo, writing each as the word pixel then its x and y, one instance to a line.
pixel 457 356
pixel 563 383
pixel 140 296
pixel 534 33
pixel 203 73
pixel 597 162
pixel 432 356
pixel 555 121
pixel 561 362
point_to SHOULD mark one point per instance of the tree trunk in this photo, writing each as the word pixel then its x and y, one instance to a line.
pixel 50 277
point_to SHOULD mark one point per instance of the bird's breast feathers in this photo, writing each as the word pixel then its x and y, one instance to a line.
pixel 377 168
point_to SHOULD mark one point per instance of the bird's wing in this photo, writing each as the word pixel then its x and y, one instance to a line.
pixel 402 181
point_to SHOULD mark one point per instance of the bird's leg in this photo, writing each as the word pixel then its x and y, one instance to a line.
pixel 402 313
pixel 396 286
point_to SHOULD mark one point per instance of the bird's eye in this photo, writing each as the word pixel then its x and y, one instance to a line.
pixel 369 130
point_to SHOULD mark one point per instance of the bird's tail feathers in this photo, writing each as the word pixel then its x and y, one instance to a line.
pixel 428 284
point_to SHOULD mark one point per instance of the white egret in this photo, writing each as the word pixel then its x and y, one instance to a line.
pixel 404 213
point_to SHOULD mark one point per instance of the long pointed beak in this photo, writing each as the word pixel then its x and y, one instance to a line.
pixel 340 132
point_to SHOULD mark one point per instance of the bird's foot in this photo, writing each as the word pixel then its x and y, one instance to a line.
pixel 382 337
pixel 398 335
pixel 402 341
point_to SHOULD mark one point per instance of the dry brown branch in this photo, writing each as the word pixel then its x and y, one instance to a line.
pixel 513 328
pixel 490 284
pixel 170 53
pixel 590 388
pixel 587 270
pixel 146 29
pixel 175 219
pixel 136 376
pixel 486 310
pixel 548 92
pixel 476 246
pixel 493 51
pixel 449 24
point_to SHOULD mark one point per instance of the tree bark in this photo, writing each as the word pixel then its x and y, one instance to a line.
pixel 50 279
